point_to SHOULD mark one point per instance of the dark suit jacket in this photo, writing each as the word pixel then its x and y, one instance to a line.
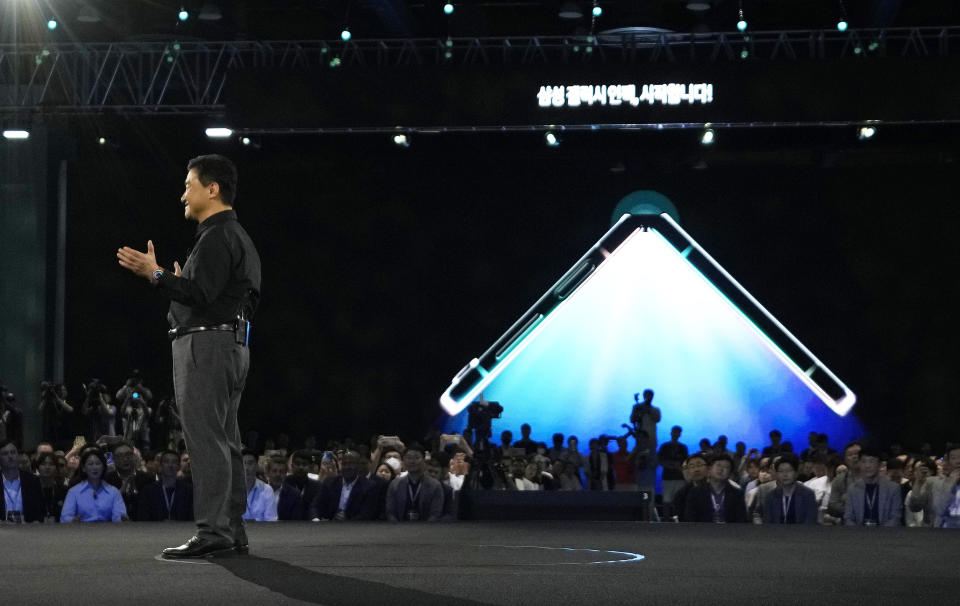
pixel 289 507
pixel 32 496
pixel 431 499
pixel 300 509
pixel 889 508
pixel 152 506
pixel 804 505
pixel 363 504
pixel 699 507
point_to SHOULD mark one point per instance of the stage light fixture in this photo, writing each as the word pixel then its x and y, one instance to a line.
pixel 102 140
pixel 335 62
pixel 210 12
pixel 183 15
pixel 52 24
pixel 842 25
pixel 16 134
pixel 744 54
pixel 552 139
pixel 219 132
pixel 245 140
pixel 570 11
pixel 345 35
pixel 401 140
pixel 448 8
pixel 866 132
pixel 597 10
pixel 742 23
pixel 707 137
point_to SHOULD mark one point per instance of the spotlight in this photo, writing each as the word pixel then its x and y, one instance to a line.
pixel 842 25
pixel 345 35
pixel 744 54
pixel 219 132
pixel 597 11
pixel 742 25
pixel 551 138
pixel 448 8
pixel 183 15
pixel 707 137
pixel 335 62
pixel 102 140
pixel 52 24
pixel 401 140
pixel 16 134
pixel 245 140
pixel 866 132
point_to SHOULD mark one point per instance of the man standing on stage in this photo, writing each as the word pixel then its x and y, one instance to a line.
pixel 212 300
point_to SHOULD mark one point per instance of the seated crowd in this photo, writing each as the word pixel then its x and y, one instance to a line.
pixel 110 480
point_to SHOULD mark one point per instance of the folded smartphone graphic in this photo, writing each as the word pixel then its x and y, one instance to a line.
pixel 648 307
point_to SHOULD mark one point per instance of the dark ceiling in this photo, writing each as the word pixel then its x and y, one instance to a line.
pixel 324 19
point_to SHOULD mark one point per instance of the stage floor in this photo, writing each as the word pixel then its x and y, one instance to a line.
pixel 555 563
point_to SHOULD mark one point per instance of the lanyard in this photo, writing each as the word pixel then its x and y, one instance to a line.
pixel 873 501
pixel 414 496
pixel 169 501
pixel 785 503
pixel 717 505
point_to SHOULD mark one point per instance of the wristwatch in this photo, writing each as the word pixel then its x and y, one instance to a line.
pixel 157 274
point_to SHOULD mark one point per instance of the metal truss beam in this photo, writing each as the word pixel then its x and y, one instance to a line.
pixel 143 78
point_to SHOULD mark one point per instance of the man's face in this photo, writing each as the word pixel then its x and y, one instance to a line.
pixel 250 466
pixel 123 458
pixel 169 465
pixel 951 461
pixel 276 473
pixel 720 471
pixel 47 468
pixel 434 471
pixel 185 463
pixel 413 462
pixel 786 474
pixel 697 470
pixel 675 434
pixel 869 466
pixel 9 457
pixel 196 197
pixel 506 437
pixel 300 467
pixel 350 466
pixel 851 457
pixel 525 432
pixel 573 444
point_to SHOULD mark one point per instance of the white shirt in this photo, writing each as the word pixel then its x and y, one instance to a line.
pixel 821 488
pixel 12 495
pixel 456 482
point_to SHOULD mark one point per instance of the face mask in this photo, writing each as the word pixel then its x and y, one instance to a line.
pixel 393 463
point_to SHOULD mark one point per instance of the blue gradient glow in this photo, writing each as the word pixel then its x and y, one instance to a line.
pixel 648 319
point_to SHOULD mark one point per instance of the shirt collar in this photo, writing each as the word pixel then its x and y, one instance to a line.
pixel 216 219
pixel 15 481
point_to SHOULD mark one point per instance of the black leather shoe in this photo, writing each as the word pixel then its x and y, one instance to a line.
pixel 198 547
pixel 240 543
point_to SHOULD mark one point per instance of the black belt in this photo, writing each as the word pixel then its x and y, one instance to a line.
pixel 176 333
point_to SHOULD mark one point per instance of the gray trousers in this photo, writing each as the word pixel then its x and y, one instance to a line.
pixel 209 373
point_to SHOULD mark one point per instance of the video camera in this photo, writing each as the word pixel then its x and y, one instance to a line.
pixel 479 415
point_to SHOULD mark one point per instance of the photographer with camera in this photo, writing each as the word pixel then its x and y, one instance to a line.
pixel 11 418
pixel 645 416
pixel 167 431
pixel 99 410
pixel 135 417
pixel 54 411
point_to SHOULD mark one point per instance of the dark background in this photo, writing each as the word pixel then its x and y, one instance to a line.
pixel 386 269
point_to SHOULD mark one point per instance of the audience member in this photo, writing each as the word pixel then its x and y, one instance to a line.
pixel 842 481
pixel 694 474
pixel 436 471
pixel 557 450
pixel 622 462
pixel 348 496
pixel 776 446
pixel 92 499
pixel 915 518
pixel 415 496
pixel 600 465
pixel 872 500
pixel 53 486
pixel 525 442
pixel 790 502
pixel 716 500
pixel 127 477
pixel 385 472
pixel 671 456
pixel 260 503
pixel 168 498
pixel 22 498
pixel 307 488
pixel 645 417
pixel 939 496
pixel 100 412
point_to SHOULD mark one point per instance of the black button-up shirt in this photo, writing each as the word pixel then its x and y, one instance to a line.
pixel 220 277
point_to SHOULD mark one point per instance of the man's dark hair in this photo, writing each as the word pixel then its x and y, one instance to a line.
pixel 433 462
pixel 721 456
pixel 43 456
pixel 119 443
pixel 166 452
pixel 789 458
pixel 676 428
pixel 303 455
pixel 895 463
pixel 216 168
pixel 776 432
pixel 417 448
pixel 558 437
pixel 851 445
pixel 697 455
